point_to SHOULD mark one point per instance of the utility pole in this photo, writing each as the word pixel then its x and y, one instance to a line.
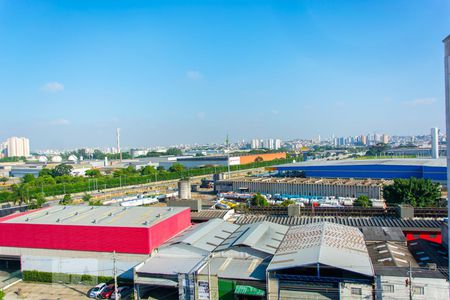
pixel 228 160
pixel 410 282
pixel 115 275
pixel 446 42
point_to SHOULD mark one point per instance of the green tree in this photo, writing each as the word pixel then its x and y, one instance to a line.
pixel 98 154
pixel 28 178
pixel 287 202
pixel 259 159
pixel 377 149
pixel 95 203
pixel 20 193
pixel 362 201
pixel 148 170
pixel 4 179
pixel 37 202
pixel 174 151
pixel 66 200
pixel 61 170
pixel 46 172
pixel 177 167
pixel 259 200
pixel 92 173
pixel 86 197
pixel 417 192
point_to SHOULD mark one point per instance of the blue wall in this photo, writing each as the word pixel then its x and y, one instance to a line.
pixel 371 171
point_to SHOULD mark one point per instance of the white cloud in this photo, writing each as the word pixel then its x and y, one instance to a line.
pixel 201 115
pixel 53 87
pixel 275 112
pixel 194 75
pixel 420 101
pixel 60 122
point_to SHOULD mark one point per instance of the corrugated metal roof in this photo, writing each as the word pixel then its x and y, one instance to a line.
pixel 390 254
pixel 407 224
pixel 208 214
pixel 186 252
pixel 262 236
pixel 325 243
pixel 98 216
pixel 208 235
pixel 235 268
pixel 376 233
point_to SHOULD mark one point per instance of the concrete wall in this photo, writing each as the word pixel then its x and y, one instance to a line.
pixel 214 285
pixel 433 288
pixel 73 262
pixel 345 291
pixel 193 204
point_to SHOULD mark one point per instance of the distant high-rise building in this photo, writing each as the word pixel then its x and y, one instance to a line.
pixel 255 144
pixel 363 139
pixel 385 139
pixel 434 143
pixel 270 144
pixel 17 146
pixel 278 144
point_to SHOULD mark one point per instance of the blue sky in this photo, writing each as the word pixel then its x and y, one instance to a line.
pixel 172 72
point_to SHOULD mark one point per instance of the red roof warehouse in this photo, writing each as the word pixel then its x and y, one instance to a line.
pixel 135 230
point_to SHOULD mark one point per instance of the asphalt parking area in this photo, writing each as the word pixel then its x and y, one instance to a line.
pixel 43 291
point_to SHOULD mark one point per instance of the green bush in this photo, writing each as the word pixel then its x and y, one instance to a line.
pixel 37 276
pixel 2 294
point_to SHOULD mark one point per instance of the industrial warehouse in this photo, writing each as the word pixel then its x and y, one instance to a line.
pixel 82 239
pixel 265 260
pixel 434 169
pixel 318 187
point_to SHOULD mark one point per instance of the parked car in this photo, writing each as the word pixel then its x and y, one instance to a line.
pixel 95 291
pixel 122 292
pixel 106 292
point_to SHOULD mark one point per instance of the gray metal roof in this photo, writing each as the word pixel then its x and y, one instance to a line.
pixel 325 243
pixel 373 234
pixel 252 268
pixel 390 254
pixel 187 251
pixel 262 236
pixel 207 214
pixel 206 236
pixel 113 216
pixel 309 181
pixel 407 224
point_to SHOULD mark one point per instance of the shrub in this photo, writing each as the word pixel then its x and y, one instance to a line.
pixel 37 276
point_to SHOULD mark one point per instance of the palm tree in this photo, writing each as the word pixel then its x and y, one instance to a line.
pixel 20 193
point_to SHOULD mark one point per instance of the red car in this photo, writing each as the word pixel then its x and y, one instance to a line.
pixel 107 292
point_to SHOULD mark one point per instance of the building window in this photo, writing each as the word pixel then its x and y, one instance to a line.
pixel 356 291
pixel 418 290
pixel 388 288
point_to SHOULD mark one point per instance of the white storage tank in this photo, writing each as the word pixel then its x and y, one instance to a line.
pixel 184 189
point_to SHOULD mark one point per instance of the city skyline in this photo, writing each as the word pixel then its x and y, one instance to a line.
pixel 174 74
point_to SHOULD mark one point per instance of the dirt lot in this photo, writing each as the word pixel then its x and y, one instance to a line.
pixel 42 291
